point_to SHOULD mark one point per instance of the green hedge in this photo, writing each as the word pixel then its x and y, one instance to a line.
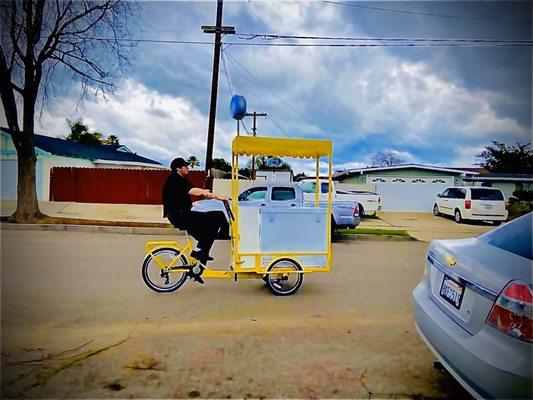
pixel 524 195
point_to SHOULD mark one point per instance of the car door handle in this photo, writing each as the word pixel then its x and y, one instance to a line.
pixel 262 204
pixel 293 205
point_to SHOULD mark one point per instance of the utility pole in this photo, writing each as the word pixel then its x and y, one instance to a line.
pixel 254 131
pixel 218 30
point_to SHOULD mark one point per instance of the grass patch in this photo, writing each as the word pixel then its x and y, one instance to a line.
pixel 372 216
pixel 372 231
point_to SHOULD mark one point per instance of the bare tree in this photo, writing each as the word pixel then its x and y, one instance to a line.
pixel 389 159
pixel 88 39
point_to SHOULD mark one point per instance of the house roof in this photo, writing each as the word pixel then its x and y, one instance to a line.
pixel 357 171
pixel 102 153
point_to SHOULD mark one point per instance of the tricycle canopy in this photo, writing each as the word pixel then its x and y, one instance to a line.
pixel 281 147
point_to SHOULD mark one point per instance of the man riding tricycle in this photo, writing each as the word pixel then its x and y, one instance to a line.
pixel 277 244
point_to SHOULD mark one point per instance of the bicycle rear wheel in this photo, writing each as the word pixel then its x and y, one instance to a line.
pixel 284 283
pixel 159 280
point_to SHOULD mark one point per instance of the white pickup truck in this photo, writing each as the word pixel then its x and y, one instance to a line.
pixel 369 202
pixel 344 212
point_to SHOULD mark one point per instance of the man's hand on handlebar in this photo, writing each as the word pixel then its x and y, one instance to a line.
pixel 221 198
pixel 210 195
pixel 207 194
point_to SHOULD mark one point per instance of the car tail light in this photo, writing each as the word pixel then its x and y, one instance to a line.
pixel 512 312
pixel 356 210
pixel 379 199
pixel 468 204
pixel 506 205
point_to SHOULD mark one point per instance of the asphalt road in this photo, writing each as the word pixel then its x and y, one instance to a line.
pixel 77 321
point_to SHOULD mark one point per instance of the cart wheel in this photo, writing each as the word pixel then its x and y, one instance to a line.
pixel 159 280
pixel 284 284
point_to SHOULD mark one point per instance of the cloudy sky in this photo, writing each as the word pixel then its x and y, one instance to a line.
pixel 432 105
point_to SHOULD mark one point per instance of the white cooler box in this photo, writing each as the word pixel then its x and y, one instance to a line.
pixel 283 230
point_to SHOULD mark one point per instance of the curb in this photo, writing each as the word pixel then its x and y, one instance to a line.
pixel 137 230
pixel 132 230
pixel 378 238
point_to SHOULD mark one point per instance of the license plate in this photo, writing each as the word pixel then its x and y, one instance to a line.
pixel 452 291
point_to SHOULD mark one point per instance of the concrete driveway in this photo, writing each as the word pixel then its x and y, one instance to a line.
pixel 426 227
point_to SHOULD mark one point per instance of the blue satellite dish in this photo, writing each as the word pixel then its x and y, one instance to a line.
pixel 237 107
pixel 273 162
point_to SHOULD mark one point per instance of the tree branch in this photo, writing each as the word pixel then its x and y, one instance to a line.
pixel 14 37
pixel 79 72
pixel 82 15
pixel 84 60
pixel 17 88
pixel 53 39
pixel 7 95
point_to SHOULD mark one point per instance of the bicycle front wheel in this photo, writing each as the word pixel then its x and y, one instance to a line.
pixel 156 277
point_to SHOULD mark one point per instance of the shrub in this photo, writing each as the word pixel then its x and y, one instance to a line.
pixel 525 195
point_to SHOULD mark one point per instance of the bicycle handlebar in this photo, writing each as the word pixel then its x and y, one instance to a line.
pixel 228 209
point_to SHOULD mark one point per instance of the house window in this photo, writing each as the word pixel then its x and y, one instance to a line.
pixel 438 181
pixel 418 180
pixel 378 180
pixel 398 180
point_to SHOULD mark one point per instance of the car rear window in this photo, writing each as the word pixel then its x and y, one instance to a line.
pixel 515 237
pixel 486 194
pixel 283 194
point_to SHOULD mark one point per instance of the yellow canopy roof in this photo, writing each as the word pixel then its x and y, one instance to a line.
pixel 281 147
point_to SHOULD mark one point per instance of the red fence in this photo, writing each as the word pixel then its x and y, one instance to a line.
pixel 112 185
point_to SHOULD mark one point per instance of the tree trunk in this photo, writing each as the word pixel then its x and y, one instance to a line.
pixel 27 205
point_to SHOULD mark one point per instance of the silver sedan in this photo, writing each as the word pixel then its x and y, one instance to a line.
pixel 473 309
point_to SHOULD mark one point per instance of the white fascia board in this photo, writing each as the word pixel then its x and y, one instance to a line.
pixel 405 166
pixel 132 163
pixel 495 178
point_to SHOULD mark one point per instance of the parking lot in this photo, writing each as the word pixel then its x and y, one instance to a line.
pixel 80 298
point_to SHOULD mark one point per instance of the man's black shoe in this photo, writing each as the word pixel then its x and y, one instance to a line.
pixel 199 255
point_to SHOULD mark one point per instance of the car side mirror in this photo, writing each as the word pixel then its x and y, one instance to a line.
pixel 439 194
pixel 241 197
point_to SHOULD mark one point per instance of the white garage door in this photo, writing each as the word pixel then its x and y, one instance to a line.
pixel 408 193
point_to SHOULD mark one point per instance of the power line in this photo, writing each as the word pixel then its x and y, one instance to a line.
pixel 425 14
pixel 244 126
pixel 401 44
pixel 266 109
pixel 270 90
pixel 269 114
pixel 268 36
pixel 382 42
pixel 226 72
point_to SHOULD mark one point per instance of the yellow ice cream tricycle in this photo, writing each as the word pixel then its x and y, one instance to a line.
pixel 278 244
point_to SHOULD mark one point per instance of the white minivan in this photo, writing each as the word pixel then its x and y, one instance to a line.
pixel 472 202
